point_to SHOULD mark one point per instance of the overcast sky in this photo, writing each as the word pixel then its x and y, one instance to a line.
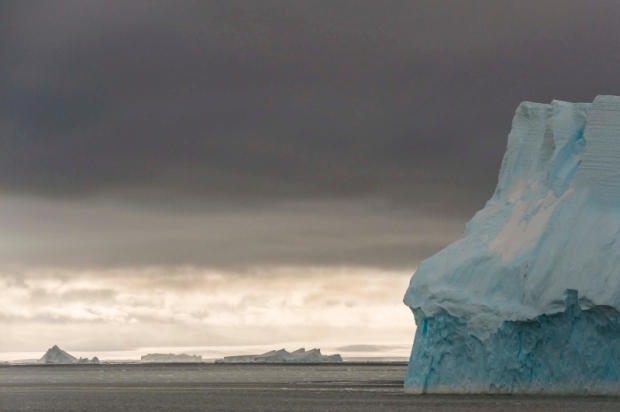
pixel 240 172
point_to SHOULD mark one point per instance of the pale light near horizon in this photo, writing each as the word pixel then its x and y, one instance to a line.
pixel 122 310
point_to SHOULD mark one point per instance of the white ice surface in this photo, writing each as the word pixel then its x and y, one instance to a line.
pixel 552 224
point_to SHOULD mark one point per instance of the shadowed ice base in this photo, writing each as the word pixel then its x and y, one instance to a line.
pixel 573 352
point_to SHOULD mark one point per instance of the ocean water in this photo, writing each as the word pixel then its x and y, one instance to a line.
pixel 221 387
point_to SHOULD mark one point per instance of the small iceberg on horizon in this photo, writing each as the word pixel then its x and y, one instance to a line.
pixel 283 356
pixel 170 358
pixel 57 356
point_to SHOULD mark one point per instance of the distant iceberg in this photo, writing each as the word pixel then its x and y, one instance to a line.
pixel 57 356
pixel 171 358
pixel 528 299
pixel 283 356
pixel 94 360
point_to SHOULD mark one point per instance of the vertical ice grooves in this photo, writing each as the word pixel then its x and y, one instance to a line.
pixel 599 171
pixel 548 143
pixel 567 128
pixel 524 144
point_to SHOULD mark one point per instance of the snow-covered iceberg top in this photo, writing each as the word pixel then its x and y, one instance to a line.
pixel 552 224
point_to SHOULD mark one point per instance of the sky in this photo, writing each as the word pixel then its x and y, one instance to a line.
pixel 237 173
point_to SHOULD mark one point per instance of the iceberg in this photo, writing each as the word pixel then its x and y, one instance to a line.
pixel 283 356
pixel 170 358
pixel 528 299
pixel 57 356
pixel 94 360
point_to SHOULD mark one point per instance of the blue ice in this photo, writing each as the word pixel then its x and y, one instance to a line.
pixel 527 300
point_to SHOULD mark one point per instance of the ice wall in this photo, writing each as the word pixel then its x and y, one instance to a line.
pixel 552 225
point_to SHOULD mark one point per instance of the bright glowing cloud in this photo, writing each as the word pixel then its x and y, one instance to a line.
pixel 122 309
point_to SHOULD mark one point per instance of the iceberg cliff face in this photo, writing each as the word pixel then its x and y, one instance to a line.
pixel 527 300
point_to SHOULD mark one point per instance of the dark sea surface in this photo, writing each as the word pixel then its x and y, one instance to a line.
pixel 220 387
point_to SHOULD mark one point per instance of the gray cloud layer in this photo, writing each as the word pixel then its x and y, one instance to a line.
pixel 180 109
pixel 86 236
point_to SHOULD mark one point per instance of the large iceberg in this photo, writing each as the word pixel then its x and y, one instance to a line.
pixel 528 299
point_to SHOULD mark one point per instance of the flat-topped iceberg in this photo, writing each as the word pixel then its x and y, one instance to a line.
pixel 527 300
pixel 170 358
pixel 283 356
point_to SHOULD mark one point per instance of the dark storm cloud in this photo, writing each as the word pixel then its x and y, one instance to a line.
pixel 238 103
pixel 284 99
